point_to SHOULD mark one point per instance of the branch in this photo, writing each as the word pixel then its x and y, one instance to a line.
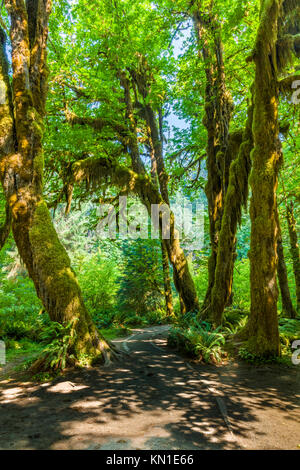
pixel 285 85
pixel 98 124
pixel 97 170
pixel 20 48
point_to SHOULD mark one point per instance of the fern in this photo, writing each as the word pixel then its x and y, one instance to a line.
pixel 198 342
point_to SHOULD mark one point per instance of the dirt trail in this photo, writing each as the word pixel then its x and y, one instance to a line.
pixel 154 399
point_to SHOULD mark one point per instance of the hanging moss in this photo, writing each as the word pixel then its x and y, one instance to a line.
pixel 288 43
pixel 284 51
pixel 289 6
pixel 236 198
pixel 96 169
pixel 218 112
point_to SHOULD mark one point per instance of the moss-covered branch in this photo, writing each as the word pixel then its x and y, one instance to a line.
pixel 97 170
pixel 98 124
pixel 286 84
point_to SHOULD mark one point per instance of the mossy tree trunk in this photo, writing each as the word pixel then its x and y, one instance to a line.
pixel 164 251
pixel 294 246
pixel 287 305
pixel 167 281
pixel 182 277
pixel 236 198
pixel 21 164
pixel 181 273
pixel 262 328
pixel 218 111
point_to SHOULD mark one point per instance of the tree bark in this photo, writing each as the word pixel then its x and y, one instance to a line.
pixel 262 328
pixel 21 165
pixel 182 277
pixel 164 251
pixel 294 246
pixel 236 198
pixel 167 281
pixel 218 111
pixel 287 305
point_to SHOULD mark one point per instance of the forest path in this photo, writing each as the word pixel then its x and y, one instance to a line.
pixel 154 399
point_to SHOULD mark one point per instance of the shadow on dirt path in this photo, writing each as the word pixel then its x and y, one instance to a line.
pixel 153 399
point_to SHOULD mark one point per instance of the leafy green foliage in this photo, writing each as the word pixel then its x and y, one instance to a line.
pixel 197 339
pixel 97 279
pixel 198 343
pixel 140 288
pixel 90 43
pixel 19 310
pixel 289 331
pixel 234 320
pixel 56 354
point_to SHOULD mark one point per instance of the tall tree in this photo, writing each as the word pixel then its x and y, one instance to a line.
pixel 270 55
pixel 22 112
pixel 236 198
pixel 183 280
pixel 218 112
pixel 164 250
pixel 138 95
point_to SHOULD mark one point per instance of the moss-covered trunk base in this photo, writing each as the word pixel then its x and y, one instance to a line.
pixel 56 284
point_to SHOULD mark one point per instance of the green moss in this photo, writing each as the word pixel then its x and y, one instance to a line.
pixel 262 345
pixel 48 252
pixel 236 197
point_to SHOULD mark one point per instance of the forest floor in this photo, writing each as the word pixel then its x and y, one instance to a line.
pixel 153 399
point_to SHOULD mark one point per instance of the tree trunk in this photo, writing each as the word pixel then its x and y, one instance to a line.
pixel 21 131
pixel 287 305
pixel 167 281
pixel 218 111
pixel 294 249
pixel 164 251
pixel 262 328
pixel 182 277
pixel 236 198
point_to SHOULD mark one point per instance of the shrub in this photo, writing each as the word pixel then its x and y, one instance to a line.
pixel 201 277
pixel 289 330
pixel 97 279
pixel 234 320
pixel 141 283
pixel 56 355
pixel 19 310
pixel 199 343
pixel 241 284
